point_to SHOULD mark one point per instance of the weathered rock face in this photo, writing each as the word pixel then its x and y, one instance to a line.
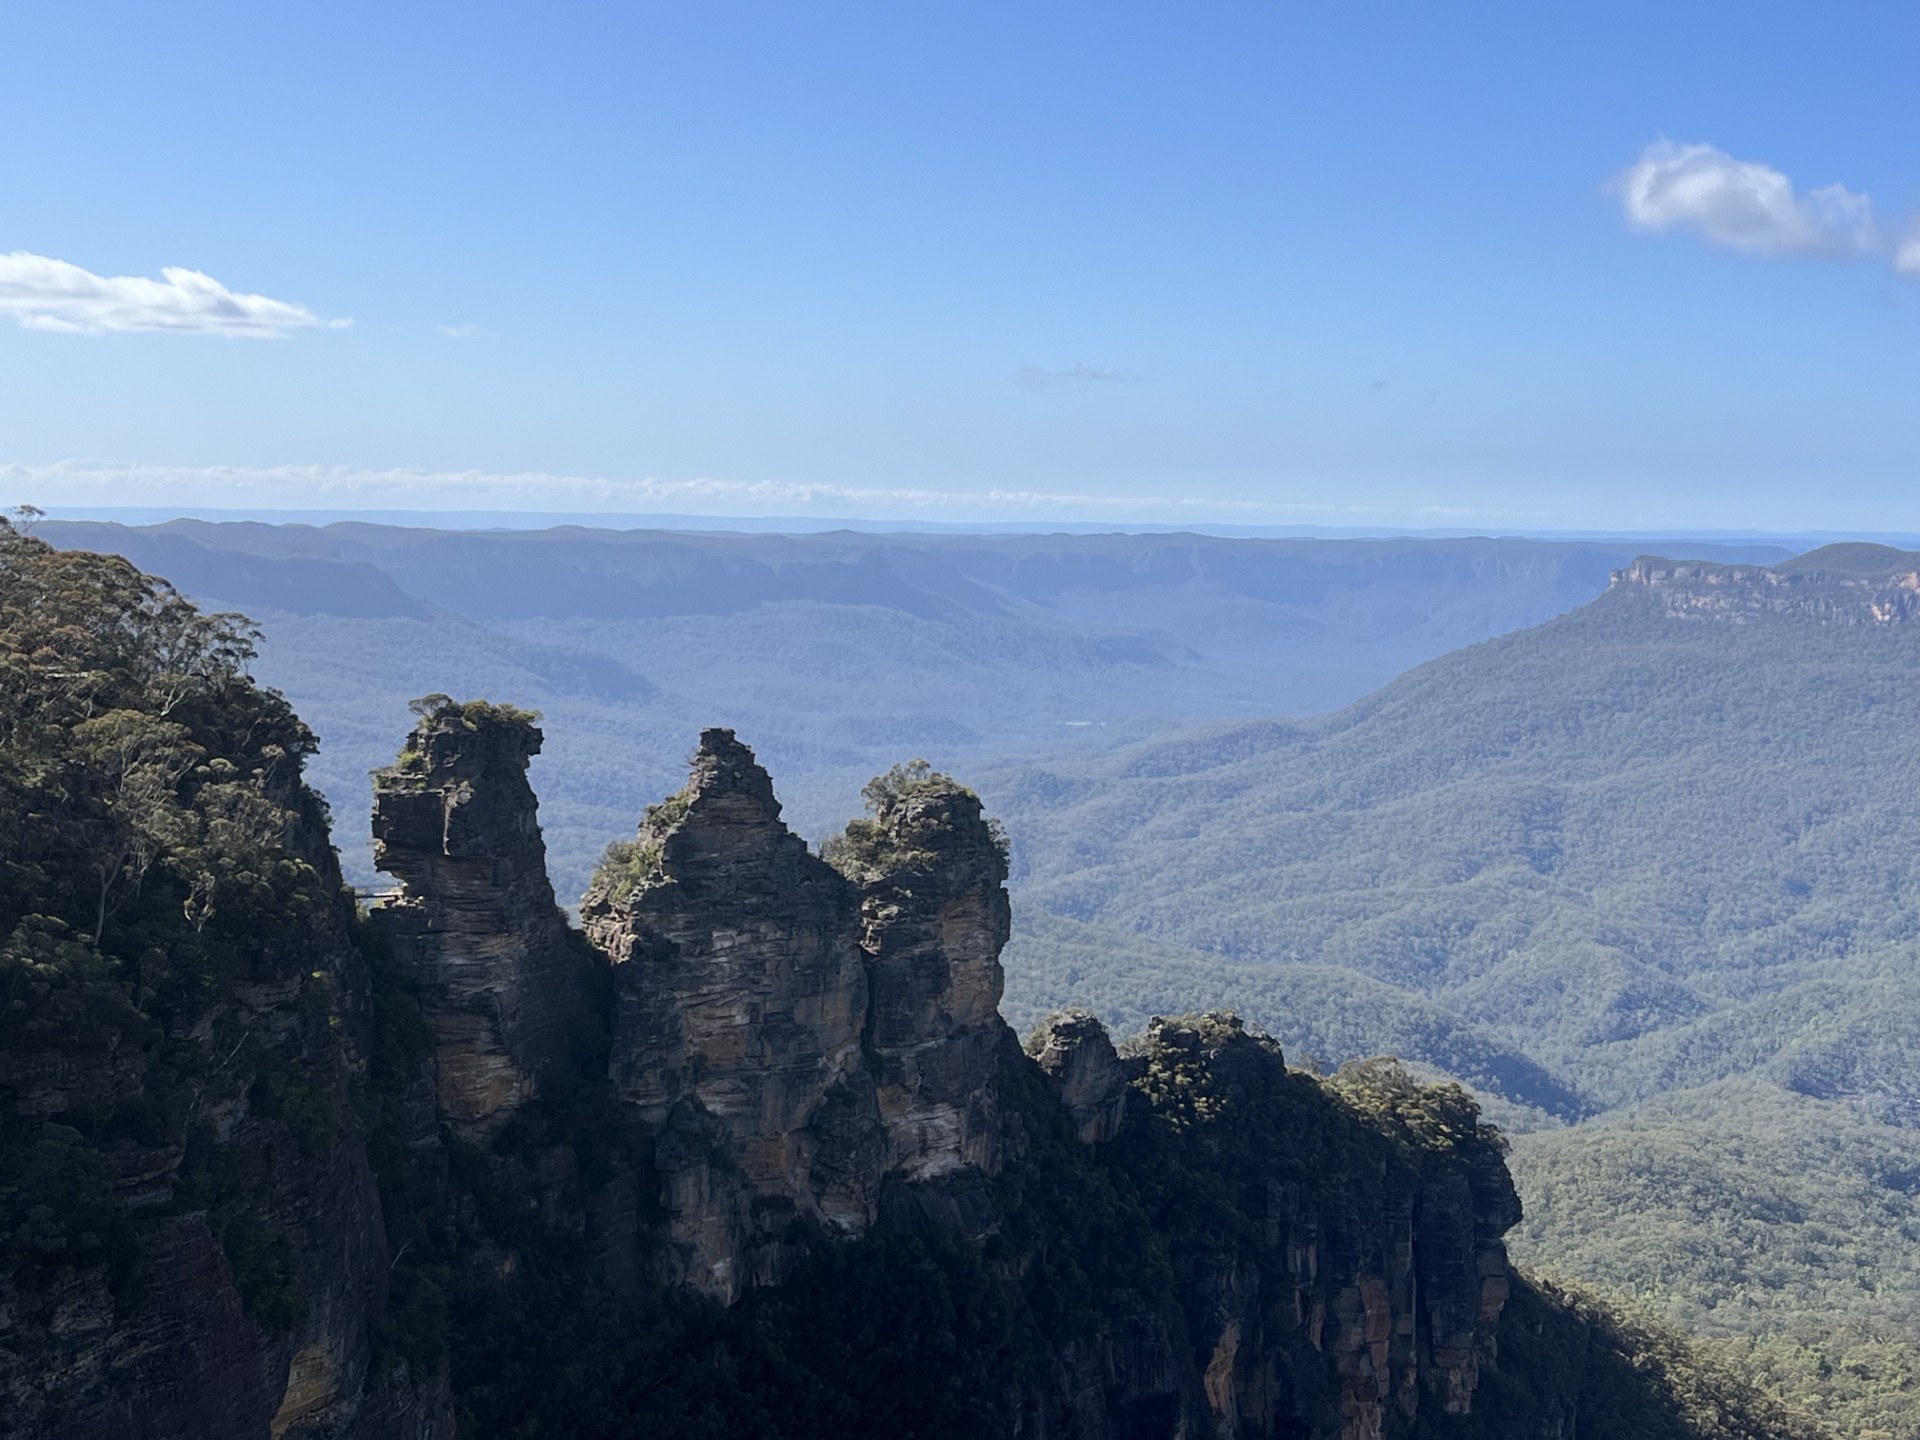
pixel 1846 585
pixel 934 918
pixel 172 1341
pixel 1391 1276
pixel 741 996
pixel 474 923
pixel 1076 1052
pixel 795 1035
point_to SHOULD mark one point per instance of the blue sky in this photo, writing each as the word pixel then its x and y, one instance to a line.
pixel 1355 264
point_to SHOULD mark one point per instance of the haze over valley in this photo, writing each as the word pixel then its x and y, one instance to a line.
pixel 1091 721
pixel 1613 839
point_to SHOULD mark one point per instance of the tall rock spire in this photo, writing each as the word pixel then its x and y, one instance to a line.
pixel 740 994
pixel 474 923
pixel 934 919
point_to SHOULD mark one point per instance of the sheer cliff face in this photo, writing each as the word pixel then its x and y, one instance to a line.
pixel 474 922
pixel 1350 1288
pixel 793 1037
pixel 1845 585
pixel 740 997
pixel 252 1260
pixel 934 918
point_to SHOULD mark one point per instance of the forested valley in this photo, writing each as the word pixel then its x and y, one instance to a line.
pixel 1641 876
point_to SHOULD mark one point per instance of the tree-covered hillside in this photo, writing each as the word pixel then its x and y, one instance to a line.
pixel 1603 839
pixel 1658 854
pixel 1785 1228
pixel 231 1207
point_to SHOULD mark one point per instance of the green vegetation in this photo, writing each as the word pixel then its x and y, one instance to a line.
pixel 902 831
pixel 159 855
pixel 1627 1373
pixel 1324 1015
pixel 833 655
pixel 1586 839
pixel 1534 894
pixel 1783 1228
pixel 916 1334
pixel 1623 856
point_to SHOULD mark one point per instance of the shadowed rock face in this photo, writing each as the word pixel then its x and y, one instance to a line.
pixel 796 1034
pixel 934 918
pixel 740 998
pixel 474 923
pixel 1075 1051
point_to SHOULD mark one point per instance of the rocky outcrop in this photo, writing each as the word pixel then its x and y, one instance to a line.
pixel 740 1003
pixel 1074 1050
pixel 256 1180
pixel 1383 1270
pixel 246 1256
pixel 474 923
pixel 814 1047
pixel 1844 585
pixel 794 1035
pixel 934 918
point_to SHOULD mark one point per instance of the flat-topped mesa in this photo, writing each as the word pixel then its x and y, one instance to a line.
pixel 934 919
pixel 474 923
pixel 740 996
pixel 1847 585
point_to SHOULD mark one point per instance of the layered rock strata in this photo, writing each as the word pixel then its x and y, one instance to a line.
pixel 740 1002
pixel 474 923
pixel 934 918
pixel 795 1034
pixel 1842 585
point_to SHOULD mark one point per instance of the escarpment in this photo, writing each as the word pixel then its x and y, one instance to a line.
pixel 192 1245
pixel 760 1159
pixel 800 1039
pixel 1844 585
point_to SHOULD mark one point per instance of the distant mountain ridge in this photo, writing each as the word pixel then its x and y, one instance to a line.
pixel 1840 584
pixel 1595 836
pixel 1658 854
pixel 838 652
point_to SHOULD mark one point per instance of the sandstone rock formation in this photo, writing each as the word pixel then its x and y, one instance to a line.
pixel 795 1038
pixel 248 1258
pixel 934 918
pixel 1845 585
pixel 740 1002
pixel 474 923
pixel 1395 1279
pixel 1074 1049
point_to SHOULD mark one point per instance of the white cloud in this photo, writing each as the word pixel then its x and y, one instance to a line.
pixel 321 487
pixel 1743 205
pixel 46 294
pixel 467 332
pixel 1907 258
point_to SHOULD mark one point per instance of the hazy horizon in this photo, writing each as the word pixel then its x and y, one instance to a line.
pixel 1519 270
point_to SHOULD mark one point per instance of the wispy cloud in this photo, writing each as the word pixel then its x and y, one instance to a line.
pixel 46 294
pixel 1744 205
pixel 1907 258
pixel 317 487
pixel 466 332
pixel 1073 377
